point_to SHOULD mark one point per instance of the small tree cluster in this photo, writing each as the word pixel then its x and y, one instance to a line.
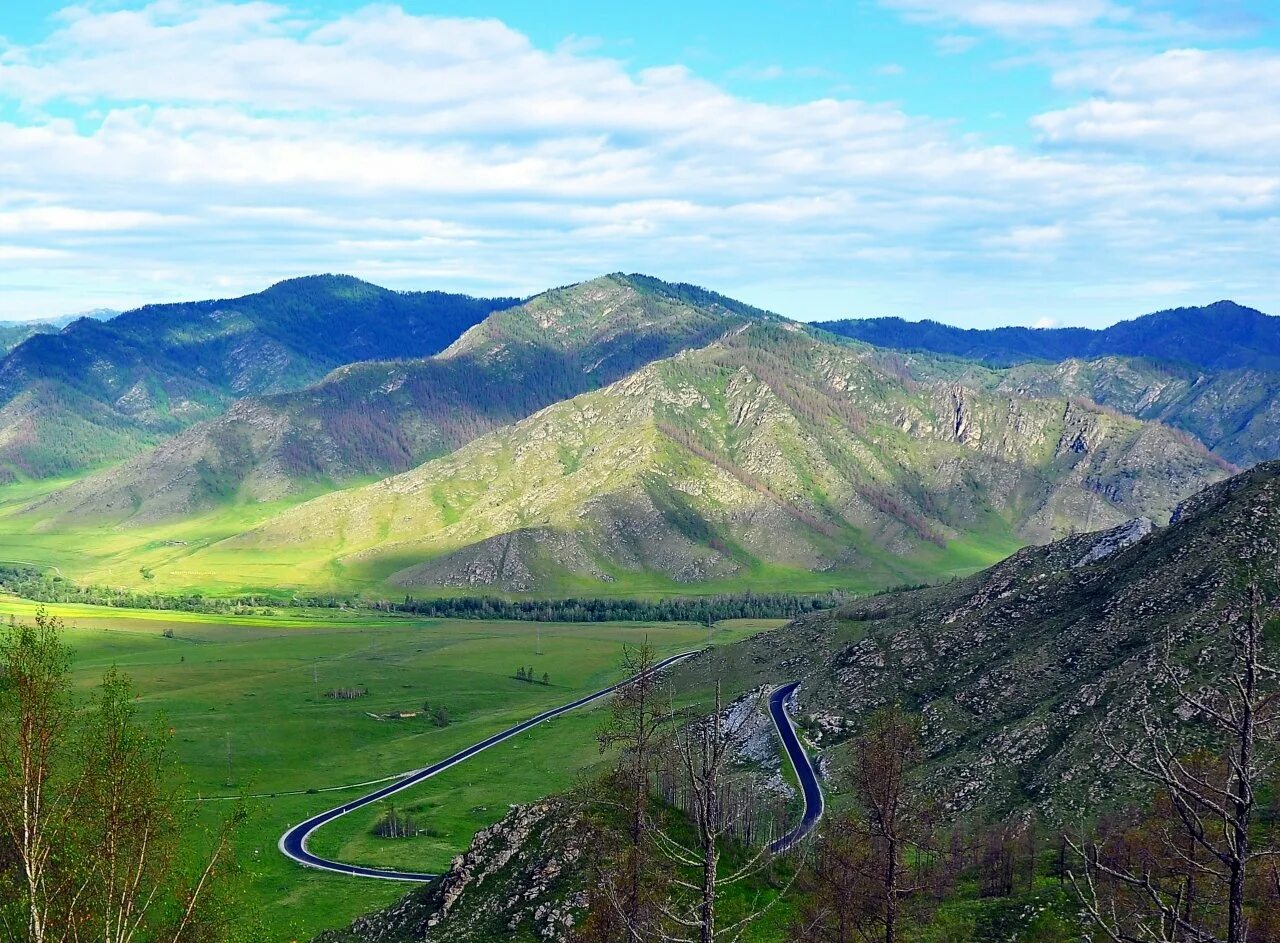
pixel 346 694
pixel 528 675
pixel 394 823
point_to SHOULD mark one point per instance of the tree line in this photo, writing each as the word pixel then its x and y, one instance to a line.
pixel 32 583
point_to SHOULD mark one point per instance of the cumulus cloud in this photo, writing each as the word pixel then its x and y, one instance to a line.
pixel 193 143
pixel 1186 102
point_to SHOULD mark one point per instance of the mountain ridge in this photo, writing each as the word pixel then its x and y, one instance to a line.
pixel 99 391
pixel 1243 337
pixel 769 447
pixel 1019 670
pixel 378 418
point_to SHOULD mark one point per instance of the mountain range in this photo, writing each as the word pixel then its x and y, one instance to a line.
pixel 99 391
pixel 621 433
pixel 1241 337
pixel 770 448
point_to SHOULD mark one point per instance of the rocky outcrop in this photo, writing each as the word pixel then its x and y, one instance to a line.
pixel 520 878
pixel 1117 539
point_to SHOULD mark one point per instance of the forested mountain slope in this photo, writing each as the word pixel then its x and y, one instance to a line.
pixel 1018 670
pixel 1220 336
pixel 98 391
pixel 770 450
pixel 377 418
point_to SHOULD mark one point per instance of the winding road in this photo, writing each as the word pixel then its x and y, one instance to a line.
pixel 293 843
pixel 814 804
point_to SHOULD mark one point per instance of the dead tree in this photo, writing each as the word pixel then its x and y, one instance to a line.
pixel 629 883
pixel 704 752
pixel 1211 808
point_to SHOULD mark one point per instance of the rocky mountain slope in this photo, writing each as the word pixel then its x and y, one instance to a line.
pixel 769 449
pixel 1220 336
pixel 1021 669
pixel 521 880
pixel 98 391
pixel 375 418
pixel 1236 413
pixel 1213 372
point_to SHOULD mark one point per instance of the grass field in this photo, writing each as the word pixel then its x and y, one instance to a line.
pixel 245 700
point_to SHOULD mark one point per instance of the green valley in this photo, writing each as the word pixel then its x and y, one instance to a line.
pixel 245 700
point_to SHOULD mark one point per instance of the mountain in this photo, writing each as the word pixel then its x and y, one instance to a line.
pixel 1021 670
pixel 1220 336
pixel 98 391
pixel 13 333
pixel 770 453
pixel 1236 413
pixel 377 418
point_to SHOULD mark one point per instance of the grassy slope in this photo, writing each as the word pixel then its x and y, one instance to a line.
pixel 849 469
pixel 376 418
pixel 252 679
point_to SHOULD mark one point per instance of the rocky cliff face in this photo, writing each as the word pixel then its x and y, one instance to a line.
pixel 521 879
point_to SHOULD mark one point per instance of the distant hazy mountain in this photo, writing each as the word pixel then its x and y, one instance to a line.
pixel 1220 336
pixel 376 418
pixel 99 390
pixel 13 333
pixel 770 450
pixel 94 314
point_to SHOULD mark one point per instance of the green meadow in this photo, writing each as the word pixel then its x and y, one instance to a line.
pixel 245 700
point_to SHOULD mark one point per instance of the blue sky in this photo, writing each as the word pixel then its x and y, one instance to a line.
pixel 976 161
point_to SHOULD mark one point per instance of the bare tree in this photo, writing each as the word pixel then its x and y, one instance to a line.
pixel 1205 841
pixel 870 863
pixel 704 751
pixel 838 906
pixel 88 805
pixel 629 883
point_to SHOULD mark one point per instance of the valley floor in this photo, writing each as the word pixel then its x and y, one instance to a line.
pixel 245 700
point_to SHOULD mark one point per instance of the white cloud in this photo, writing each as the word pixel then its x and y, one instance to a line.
pixel 1027 238
pixel 1186 102
pixel 1044 324
pixel 1012 16
pixel 195 147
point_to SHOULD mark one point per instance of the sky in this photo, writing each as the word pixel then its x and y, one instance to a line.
pixel 979 162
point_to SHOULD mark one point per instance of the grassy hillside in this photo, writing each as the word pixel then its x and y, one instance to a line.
pixel 766 456
pixel 372 419
pixel 1021 669
pixel 98 391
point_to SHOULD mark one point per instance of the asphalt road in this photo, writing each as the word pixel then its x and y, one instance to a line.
pixel 814 804
pixel 293 843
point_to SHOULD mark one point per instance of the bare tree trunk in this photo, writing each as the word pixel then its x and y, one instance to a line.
pixel 891 891
pixel 1213 810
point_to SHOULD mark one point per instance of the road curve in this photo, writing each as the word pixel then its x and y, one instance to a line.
pixel 293 843
pixel 814 804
